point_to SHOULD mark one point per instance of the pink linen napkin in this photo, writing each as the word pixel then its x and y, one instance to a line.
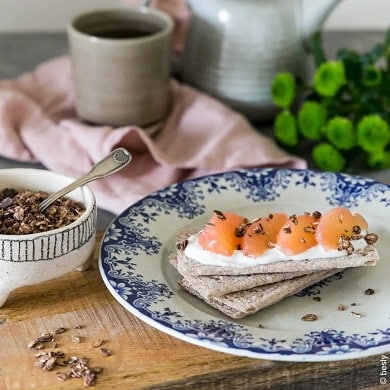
pixel 179 12
pixel 38 124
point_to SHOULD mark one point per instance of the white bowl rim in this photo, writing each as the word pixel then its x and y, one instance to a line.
pixel 89 203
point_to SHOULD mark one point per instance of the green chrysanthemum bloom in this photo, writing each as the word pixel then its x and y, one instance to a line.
pixel 372 76
pixel 328 158
pixel 379 160
pixel 329 78
pixel 285 128
pixel 283 89
pixel 311 120
pixel 373 133
pixel 340 133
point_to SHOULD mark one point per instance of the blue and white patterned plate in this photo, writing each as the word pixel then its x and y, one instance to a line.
pixel 133 263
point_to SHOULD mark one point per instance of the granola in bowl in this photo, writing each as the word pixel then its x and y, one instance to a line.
pixel 19 212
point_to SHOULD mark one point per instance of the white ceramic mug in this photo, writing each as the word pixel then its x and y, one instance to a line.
pixel 121 60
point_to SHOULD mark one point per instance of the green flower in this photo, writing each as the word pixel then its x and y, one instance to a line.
pixel 311 120
pixel 379 160
pixel 328 158
pixel 373 133
pixel 285 128
pixel 372 76
pixel 340 133
pixel 329 78
pixel 283 89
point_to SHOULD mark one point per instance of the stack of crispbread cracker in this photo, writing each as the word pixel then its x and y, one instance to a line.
pixel 238 292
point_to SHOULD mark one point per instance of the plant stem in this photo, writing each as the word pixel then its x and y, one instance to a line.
pixel 318 51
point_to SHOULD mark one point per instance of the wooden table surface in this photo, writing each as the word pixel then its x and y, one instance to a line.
pixel 141 356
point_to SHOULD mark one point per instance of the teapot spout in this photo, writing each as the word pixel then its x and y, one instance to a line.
pixel 313 15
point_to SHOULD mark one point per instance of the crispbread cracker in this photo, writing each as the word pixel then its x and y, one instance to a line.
pixel 362 257
pixel 228 310
pixel 242 303
pixel 240 291
pixel 218 285
pixel 367 256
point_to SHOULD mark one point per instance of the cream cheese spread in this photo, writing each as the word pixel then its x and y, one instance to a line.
pixel 195 252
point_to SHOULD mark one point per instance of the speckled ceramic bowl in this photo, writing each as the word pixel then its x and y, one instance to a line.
pixel 34 258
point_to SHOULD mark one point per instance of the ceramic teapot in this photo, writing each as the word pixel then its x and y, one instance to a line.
pixel 234 48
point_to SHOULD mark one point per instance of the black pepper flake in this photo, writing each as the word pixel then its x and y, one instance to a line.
pixel 309 229
pixel 182 245
pixel 369 291
pixel 287 230
pixel 258 229
pixel 316 214
pixel 240 230
pixel 220 215
pixel 356 229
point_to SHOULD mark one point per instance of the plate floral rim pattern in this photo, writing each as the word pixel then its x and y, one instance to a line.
pixel 136 236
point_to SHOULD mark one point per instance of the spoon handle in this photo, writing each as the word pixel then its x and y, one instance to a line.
pixel 115 161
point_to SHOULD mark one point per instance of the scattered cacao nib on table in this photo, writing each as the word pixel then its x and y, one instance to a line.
pixel 70 366
pixel 19 212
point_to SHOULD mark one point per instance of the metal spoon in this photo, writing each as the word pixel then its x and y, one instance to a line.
pixel 115 161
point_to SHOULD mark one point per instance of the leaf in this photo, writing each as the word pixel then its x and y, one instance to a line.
pixel 387 37
pixel 283 89
pixel 377 52
pixel 317 49
pixel 352 64
pixel 371 57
